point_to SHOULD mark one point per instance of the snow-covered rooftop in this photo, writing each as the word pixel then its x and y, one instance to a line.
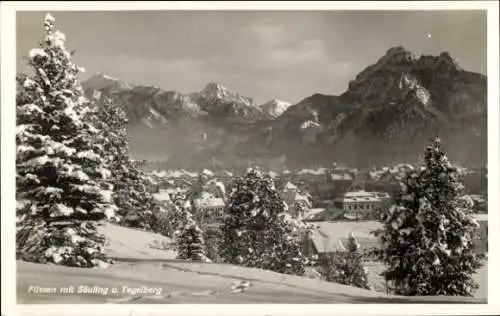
pixel 301 197
pixel 481 217
pixel 360 199
pixel 314 212
pixel 345 176
pixel 359 193
pixel 320 171
pixel 331 236
pixel 162 196
pixel 209 200
pixel 290 186
pixel 360 196
pixel 207 172
pixel 273 174
pixel 227 173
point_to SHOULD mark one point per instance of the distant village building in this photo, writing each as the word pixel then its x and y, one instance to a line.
pixel 316 215
pixel 225 177
pixel 310 175
pixel 164 195
pixel 291 195
pixel 207 173
pixel 310 180
pixel 331 237
pixel 356 204
pixel 209 209
pixel 324 193
pixel 480 203
pixel 273 175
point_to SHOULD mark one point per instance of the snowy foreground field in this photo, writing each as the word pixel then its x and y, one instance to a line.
pixel 145 274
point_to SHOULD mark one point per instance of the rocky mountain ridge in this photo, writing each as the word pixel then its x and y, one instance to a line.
pixel 386 115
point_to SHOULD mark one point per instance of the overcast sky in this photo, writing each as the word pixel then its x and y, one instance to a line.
pixel 264 55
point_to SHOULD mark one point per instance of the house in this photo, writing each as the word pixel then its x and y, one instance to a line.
pixel 331 237
pixel 315 215
pixel 292 195
pixel 164 195
pixel 225 176
pixel 209 209
pixel 305 177
pixel 311 173
pixel 356 204
pixel 181 175
pixel 324 193
pixel 207 173
pixel 480 203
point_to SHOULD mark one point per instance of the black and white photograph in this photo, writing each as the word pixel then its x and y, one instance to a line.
pixel 258 156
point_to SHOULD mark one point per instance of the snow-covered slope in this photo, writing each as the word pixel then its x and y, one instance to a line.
pixel 128 243
pixel 173 281
pixel 184 282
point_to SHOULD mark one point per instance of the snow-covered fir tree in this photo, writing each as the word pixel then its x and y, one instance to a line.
pixel 189 238
pixel 427 236
pixel 169 222
pixel 254 233
pixel 196 191
pixel 213 238
pixel 62 191
pixel 346 267
pixel 302 232
pixel 136 206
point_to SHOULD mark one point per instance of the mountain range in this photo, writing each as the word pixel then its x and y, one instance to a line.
pixel 387 115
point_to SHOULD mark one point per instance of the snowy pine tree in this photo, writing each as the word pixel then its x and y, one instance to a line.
pixel 254 233
pixel 428 235
pixel 169 222
pixel 189 239
pixel 136 205
pixel 347 267
pixel 62 191
pixel 213 239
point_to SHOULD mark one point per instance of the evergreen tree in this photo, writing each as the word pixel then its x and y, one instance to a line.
pixel 189 238
pixel 62 191
pixel 213 238
pixel 347 267
pixel 427 236
pixel 254 233
pixel 169 222
pixel 136 205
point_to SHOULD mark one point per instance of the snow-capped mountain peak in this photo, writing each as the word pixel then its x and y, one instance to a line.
pixel 220 92
pixel 216 89
pixel 275 108
pixel 101 81
pixel 106 77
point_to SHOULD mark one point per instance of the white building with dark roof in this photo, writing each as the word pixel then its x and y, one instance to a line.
pixel 209 208
pixel 356 204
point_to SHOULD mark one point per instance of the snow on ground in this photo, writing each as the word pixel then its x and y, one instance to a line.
pixel 140 266
pixel 331 233
pixel 184 282
pixel 377 282
pixel 128 243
